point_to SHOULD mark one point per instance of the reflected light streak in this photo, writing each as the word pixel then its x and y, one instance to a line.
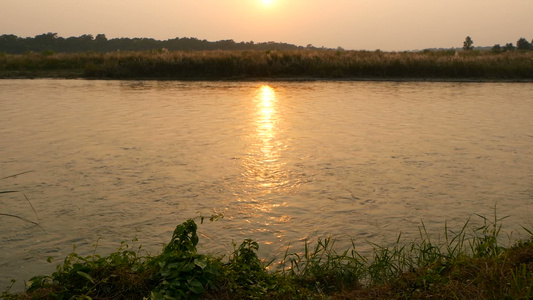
pixel 267 166
pixel 264 171
pixel 265 175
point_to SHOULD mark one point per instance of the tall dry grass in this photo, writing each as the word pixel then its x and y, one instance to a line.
pixel 272 64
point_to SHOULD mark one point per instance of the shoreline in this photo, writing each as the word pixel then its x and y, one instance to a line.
pixel 278 79
pixel 471 264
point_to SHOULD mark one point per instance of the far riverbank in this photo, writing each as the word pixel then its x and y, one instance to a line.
pixel 306 65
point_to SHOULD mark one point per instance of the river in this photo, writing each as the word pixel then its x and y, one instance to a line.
pixel 283 162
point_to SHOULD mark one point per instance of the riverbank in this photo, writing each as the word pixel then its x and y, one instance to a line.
pixel 468 264
pixel 273 65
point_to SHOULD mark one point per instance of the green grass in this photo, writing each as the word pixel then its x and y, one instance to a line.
pixel 469 263
pixel 300 64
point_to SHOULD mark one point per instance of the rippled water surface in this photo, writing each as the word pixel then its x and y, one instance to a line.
pixel 283 161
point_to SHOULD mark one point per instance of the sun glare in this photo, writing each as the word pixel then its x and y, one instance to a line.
pixel 267 2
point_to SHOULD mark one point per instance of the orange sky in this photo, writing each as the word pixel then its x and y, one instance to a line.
pixel 351 24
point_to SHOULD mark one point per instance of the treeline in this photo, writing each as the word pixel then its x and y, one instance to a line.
pixel 522 45
pixel 51 42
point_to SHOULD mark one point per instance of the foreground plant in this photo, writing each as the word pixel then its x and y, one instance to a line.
pixel 180 272
pixel 466 265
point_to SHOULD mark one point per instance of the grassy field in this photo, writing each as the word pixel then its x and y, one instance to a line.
pixel 294 64
pixel 468 263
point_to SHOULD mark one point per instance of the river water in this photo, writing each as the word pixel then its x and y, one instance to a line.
pixel 284 162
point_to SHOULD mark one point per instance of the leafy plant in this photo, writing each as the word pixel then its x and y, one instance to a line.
pixel 121 274
pixel 181 271
pixel 462 266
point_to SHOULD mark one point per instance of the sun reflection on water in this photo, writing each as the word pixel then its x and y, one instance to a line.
pixel 264 168
pixel 264 171
pixel 266 179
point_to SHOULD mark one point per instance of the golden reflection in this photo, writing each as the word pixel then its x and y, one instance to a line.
pixel 268 165
pixel 264 169
pixel 266 178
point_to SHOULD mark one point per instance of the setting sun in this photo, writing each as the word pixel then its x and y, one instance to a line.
pixel 267 2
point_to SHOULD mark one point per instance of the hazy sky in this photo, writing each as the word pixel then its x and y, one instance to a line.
pixel 351 24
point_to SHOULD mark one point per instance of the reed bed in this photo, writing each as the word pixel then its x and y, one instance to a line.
pixel 290 64
pixel 468 263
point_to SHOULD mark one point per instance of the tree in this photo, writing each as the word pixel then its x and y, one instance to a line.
pixel 509 47
pixel 523 44
pixel 11 43
pixel 45 41
pixel 497 48
pixel 100 38
pixel 467 44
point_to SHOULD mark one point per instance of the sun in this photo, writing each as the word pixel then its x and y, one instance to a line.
pixel 267 2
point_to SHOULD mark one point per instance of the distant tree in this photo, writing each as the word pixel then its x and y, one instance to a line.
pixel 8 38
pixel 50 36
pixel 468 44
pixel 50 41
pixel 497 48
pixel 11 43
pixel 523 44
pixel 101 38
pixel 42 42
pixel 86 37
pixel 101 42
pixel 509 47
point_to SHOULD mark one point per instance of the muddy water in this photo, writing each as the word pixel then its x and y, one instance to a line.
pixel 283 162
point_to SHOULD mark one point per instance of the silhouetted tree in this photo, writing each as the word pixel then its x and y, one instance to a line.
pixel 523 44
pixel 51 41
pixel 11 43
pixel 101 38
pixel 468 44
pixel 42 42
pixel 100 42
pixel 509 47
pixel 497 48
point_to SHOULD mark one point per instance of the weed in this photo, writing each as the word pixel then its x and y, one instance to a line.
pixel 323 270
pixel 465 265
pixel 180 271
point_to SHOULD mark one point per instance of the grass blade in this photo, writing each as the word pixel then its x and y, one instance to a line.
pixel 15 175
pixel 23 219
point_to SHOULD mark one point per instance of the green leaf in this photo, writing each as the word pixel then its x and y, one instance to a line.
pixel 194 240
pixel 86 276
pixel 200 263
pixel 156 296
pixel 188 267
pixel 176 265
pixel 195 286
